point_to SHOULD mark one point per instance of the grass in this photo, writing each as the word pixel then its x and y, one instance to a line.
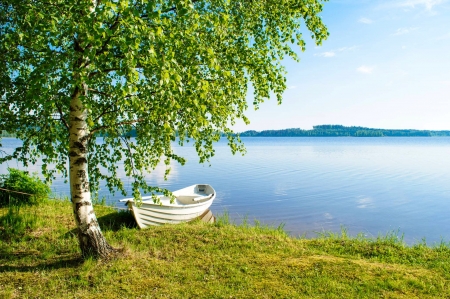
pixel 220 260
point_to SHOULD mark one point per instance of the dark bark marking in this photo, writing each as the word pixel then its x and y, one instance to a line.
pixel 80 146
pixel 78 205
pixel 84 187
pixel 84 138
pixel 77 217
pixel 81 174
pixel 80 161
pixel 73 154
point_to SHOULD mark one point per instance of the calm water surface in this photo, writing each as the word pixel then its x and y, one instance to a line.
pixel 367 185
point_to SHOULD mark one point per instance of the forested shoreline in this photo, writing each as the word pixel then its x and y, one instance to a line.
pixel 322 131
pixel 7 134
pixel 343 131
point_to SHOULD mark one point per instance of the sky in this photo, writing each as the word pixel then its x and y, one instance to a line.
pixel 386 64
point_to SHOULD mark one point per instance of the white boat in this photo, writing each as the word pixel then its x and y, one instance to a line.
pixel 190 202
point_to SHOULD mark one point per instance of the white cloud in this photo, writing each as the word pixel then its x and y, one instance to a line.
pixel 332 53
pixel 365 21
pixel 429 4
pixel 365 69
pixel 343 49
pixel 326 54
pixel 401 31
pixel 292 87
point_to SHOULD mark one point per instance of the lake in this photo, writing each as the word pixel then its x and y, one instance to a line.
pixel 367 185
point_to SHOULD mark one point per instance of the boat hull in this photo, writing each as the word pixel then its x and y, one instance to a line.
pixel 190 202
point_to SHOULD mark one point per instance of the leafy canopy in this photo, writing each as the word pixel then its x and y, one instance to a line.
pixel 165 68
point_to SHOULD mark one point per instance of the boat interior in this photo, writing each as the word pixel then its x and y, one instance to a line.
pixel 198 194
pixel 189 195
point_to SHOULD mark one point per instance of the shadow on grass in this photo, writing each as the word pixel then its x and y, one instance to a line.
pixel 117 220
pixel 111 222
pixel 57 262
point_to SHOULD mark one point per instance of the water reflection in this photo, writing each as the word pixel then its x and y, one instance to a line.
pixel 364 203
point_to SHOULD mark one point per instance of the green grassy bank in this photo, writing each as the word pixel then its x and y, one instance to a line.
pixel 39 258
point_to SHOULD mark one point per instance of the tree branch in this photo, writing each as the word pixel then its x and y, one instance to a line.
pixel 174 8
pixel 99 92
pixel 102 71
pixel 61 116
pixel 113 27
pixel 133 168
pixel 109 95
pixel 56 6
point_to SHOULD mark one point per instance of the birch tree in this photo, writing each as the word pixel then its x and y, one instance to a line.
pixel 171 70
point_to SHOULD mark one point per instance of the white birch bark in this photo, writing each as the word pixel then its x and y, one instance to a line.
pixel 92 242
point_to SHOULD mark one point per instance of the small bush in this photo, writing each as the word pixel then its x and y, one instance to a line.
pixel 21 181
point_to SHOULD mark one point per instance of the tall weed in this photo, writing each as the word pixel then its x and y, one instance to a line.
pixel 14 223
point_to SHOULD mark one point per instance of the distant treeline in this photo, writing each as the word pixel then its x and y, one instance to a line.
pixel 339 130
pixel 7 134
pixel 321 131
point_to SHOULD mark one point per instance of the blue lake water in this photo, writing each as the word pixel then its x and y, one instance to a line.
pixel 367 185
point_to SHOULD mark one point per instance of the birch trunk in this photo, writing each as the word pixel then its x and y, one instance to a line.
pixel 92 242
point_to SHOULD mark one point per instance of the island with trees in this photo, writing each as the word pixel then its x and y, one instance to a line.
pixel 343 131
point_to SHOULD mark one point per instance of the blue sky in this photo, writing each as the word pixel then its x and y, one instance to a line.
pixel 386 64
